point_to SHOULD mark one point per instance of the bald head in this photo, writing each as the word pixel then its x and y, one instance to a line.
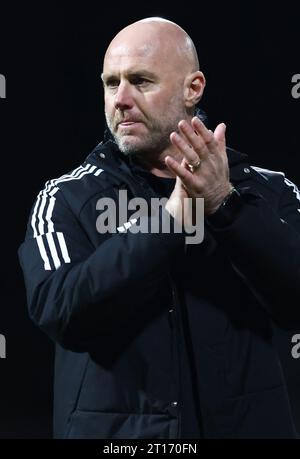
pixel 158 38
pixel 151 81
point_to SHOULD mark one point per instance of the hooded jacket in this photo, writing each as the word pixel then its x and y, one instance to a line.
pixel 132 313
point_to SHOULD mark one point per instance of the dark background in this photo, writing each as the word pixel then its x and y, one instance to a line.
pixel 51 56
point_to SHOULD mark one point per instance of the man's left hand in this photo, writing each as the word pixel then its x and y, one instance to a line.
pixel 204 172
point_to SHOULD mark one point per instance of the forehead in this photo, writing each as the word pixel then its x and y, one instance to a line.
pixel 124 58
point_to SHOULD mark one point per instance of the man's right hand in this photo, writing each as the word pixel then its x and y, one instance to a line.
pixel 180 211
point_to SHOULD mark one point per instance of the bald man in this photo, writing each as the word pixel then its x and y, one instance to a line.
pixel 152 84
pixel 156 337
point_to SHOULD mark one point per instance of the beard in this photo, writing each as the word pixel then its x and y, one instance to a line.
pixel 155 137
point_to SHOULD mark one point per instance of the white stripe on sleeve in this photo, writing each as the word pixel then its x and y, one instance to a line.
pixel 40 243
pixel 63 247
pixel 53 250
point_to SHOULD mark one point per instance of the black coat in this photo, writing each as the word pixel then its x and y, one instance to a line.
pixel 133 314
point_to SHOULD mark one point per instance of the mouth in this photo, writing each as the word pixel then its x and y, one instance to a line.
pixel 128 123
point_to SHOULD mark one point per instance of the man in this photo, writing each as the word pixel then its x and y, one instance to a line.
pixel 157 338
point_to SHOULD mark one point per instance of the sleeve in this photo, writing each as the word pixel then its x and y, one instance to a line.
pixel 76 291
pixel 263 245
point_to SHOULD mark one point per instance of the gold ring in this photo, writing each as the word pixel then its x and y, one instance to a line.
pixel 193 167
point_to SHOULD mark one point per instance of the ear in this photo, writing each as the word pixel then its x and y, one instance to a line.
pixel 194 85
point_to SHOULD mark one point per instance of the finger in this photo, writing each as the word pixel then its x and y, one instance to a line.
pixel 220 136
pixel 195 140
pixel 178 183
pixel 183 146
pixel 206 134
pixel 179 170
pixel 201 129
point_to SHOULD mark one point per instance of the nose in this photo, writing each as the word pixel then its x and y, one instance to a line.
pixel 124 97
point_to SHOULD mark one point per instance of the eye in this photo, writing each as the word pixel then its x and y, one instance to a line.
pixel 139 81
pixel 112 83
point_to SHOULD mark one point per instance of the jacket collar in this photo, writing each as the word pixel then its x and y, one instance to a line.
pixel 115 163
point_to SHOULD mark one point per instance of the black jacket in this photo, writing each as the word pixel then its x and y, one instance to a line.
pixel 129 321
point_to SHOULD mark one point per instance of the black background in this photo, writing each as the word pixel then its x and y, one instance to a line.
pixel 51 56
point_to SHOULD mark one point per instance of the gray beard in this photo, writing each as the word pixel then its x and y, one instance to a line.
pixel 156 143
pixel 158 137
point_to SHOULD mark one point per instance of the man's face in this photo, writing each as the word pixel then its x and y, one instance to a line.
pixel 143 97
